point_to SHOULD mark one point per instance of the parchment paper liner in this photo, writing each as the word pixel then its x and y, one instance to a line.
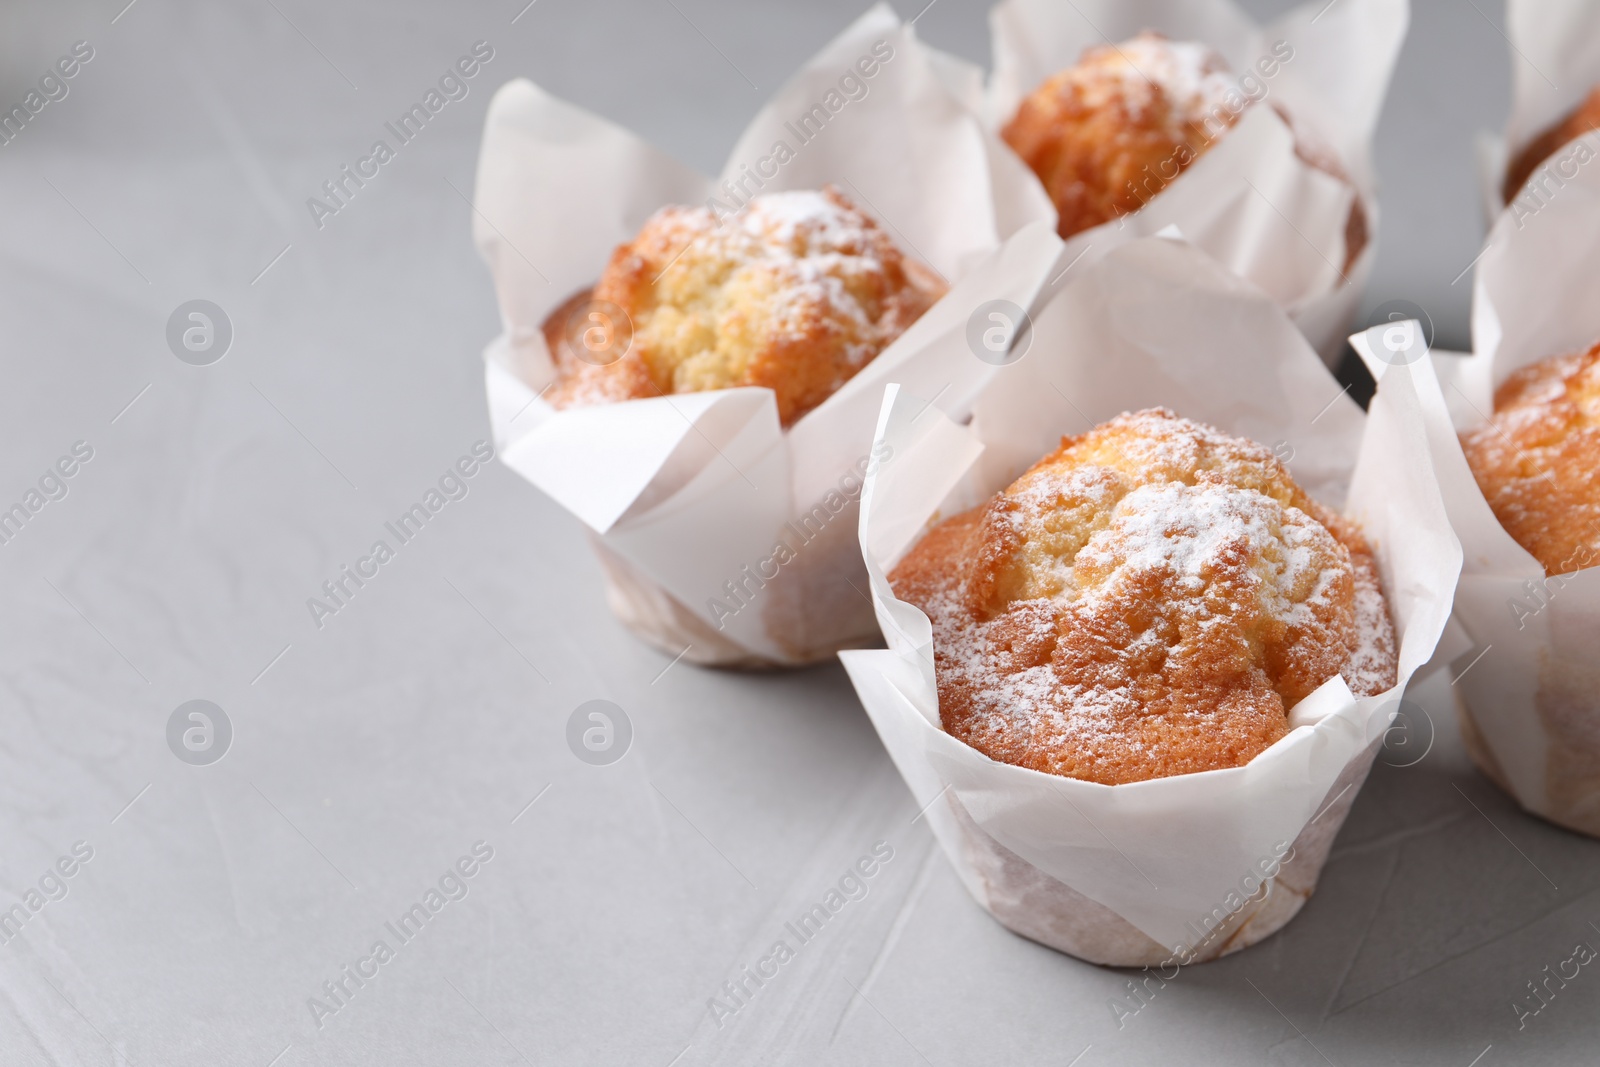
pixel 1031 903
pixel 1530 689
pixel 686 491
pixel 1127 874
pixel 1250 201
pixel 1554 48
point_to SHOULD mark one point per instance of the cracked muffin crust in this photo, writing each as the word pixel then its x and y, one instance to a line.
pixel 1536 460
pixel 796 292
pixel 1150 599
pixel 1106 135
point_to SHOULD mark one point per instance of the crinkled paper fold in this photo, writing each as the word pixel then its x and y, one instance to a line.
pixel 687 496
pixel 1142 873
pixel 1530 689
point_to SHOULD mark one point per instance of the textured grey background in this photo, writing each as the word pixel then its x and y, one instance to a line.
pixel 370 754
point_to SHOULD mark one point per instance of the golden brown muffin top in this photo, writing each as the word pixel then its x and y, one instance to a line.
pixel 796 292
pixel 1106 135
pixel 1150 599
pixel 1579 121
pixel 1537 460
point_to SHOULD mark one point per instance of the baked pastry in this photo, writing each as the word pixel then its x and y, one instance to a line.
pixel 1108 134
pixel 1150 599
pixel 1577 122
pixel 796 292
pixel 1537 460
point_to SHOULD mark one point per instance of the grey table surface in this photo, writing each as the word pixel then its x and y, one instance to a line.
pixel 370 754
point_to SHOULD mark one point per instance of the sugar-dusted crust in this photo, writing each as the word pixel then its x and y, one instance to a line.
pixel 1106 135
pixel 1537 460
pixel 1148 600
pixel 1577 122
pixel 796 292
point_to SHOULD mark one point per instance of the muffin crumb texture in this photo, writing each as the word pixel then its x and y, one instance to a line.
pixel 1150 599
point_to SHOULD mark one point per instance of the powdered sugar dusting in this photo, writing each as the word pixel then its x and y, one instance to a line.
pixel 818 249
pixel 1150 600
pixel 793 291
pixel 816 246
pixel 1193 77
pixel 1373 654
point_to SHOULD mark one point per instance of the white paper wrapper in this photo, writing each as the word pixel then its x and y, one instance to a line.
pixel 1287 234
pixel 1129 874
pixel 1530 701
pixel 685 494
pixel 1555 62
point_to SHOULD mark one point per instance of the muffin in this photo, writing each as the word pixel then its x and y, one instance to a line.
pixel 1579 121
pixel 1107 135
pixel 1537 460
pixel 1151 599
pixel 796 292
pixel 1125 116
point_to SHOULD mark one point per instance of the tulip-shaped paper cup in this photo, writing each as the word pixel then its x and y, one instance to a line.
pixel 1529 699
pixel 1190 867
pixel 1288 196
pixel 1554 47
pixel 725 538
